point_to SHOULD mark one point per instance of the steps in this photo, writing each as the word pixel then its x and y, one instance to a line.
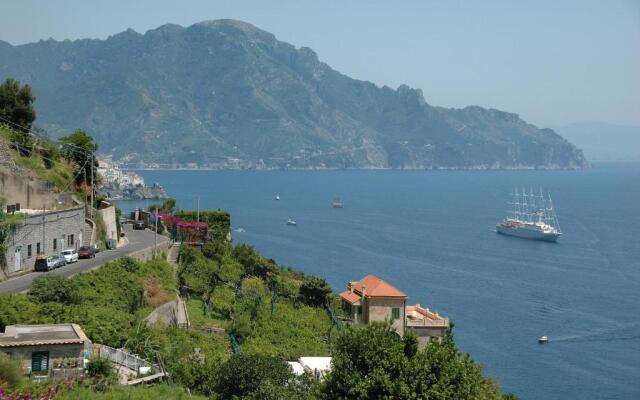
pixel 87 233
pixel 173 254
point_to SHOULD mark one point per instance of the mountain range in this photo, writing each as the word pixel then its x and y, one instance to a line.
pixel 225 94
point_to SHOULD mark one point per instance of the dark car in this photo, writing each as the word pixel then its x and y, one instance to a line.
pixel 49 263
pixel 139 225
pixel 86 252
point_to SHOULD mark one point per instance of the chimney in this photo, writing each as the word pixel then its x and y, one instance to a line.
pixel 364 291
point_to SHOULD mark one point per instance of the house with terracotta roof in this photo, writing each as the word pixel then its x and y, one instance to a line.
pixel 47 351
pixel 372 299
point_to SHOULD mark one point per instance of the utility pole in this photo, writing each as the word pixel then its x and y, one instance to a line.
pixel 91 207
pixel 155 238
pixel 44 225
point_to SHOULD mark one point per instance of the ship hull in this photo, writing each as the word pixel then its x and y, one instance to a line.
pixel 527 233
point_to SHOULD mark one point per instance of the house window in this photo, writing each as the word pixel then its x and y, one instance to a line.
pixel 395 313
pixel 39 361
pixel 28 251
pixel 70 240
pixel 55 244
pixel 38 248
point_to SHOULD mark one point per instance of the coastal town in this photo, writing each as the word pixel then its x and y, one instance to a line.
pixel 118 184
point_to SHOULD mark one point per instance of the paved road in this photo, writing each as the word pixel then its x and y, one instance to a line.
pixel 138 240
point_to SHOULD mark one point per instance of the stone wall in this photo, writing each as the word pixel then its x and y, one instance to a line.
pixel 21 188
pixel 425 334
pixel 109 218
pixel 70 354
pixel 62 229
pixel 380 310
pixel 147 253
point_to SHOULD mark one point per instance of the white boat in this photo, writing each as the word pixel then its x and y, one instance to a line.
pixel 337 203
pixel 543 340
pixel 291 222
pixel 277 197
pixel 534 217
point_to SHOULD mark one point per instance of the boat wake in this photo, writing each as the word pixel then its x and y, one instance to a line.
pixel 602 336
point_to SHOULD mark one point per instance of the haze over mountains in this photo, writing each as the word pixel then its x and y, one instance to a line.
pixel 225 94
pixel 604 142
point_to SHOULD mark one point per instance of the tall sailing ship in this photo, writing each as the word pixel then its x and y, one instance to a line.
pixel 533 217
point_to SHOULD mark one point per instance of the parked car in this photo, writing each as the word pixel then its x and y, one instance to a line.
pixel 95 247
pixel 49 263
pixel 86 252
pixel 139 225
pixel 70 256
pixel 60 261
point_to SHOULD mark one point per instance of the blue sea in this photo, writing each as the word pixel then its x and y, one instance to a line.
pixel 432 235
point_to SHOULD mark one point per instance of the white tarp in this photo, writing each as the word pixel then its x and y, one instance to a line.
pixel 297 367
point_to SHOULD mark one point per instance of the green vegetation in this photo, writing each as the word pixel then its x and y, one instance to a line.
pixel 80 148
pixel 10 372
pixel 42 158
pixel 132 393
pixel 168 206
pixel 108 303
pixel 16 104
pixel 274 313
pixel 373 363
pixel 219 222
pixel 54 288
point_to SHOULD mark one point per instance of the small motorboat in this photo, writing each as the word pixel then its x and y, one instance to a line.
pixel 543 340
pixel 337 203
pixel 291 222
pixel 277 197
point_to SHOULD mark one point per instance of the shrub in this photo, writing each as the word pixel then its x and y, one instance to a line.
pixel 128 264
pixel 243 374
pixel 10 372
pixel 99 367
pixel 314 291
pixel 54 288
pixel 216 249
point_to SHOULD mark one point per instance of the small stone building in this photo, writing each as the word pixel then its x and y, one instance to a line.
pixel 43 234
pixel 53 351
pixel 373 300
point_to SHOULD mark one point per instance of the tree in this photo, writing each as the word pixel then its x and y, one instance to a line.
pixel 373 363
pixel 243 375
pixel 253 263
pixel 80 148
pixel 314 291
pixel 16 105
pixel 368 363
pixel 54 288
pixel 168 206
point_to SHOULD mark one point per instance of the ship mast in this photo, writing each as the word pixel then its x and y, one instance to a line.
pixel 543 209
pixel 516 204
pixel 556 223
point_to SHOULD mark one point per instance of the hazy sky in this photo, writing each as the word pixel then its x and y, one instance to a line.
pixel 552 62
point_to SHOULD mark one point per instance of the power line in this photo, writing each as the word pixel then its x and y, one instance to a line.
pixel 34 135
